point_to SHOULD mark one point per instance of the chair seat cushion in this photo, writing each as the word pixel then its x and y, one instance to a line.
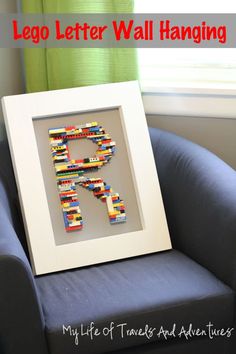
pixel 151 293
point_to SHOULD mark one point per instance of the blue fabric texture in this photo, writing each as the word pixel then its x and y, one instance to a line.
pixel 21 318
pixel 199 346
pixel 191 284
pixel 199 193
pixel 9 195
pixel 158 290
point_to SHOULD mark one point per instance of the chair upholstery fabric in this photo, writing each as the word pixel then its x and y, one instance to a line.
pixel 199 346
pixel 199 193
pixel 193 284
pixel 21 318
pixel 158 290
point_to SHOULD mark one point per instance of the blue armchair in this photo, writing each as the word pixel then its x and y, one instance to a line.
pixel 181 301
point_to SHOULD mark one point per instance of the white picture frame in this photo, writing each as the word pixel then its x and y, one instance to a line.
pixel 21 112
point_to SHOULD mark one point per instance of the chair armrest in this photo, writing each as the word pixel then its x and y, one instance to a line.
pixel 22 323
pixel 199 193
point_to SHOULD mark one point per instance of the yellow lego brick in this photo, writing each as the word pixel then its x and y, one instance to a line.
pixel 119 205
pixel 69 176
pixel 114 213
pixel 103 152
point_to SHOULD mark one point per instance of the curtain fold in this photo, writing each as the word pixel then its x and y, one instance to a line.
pixel 57 68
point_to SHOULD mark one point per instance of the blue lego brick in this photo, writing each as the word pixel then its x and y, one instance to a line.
pixel 65 219
pixel 74 203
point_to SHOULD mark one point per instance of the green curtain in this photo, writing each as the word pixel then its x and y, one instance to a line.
pixel 56 68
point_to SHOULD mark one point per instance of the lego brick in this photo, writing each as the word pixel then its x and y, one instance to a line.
pixel 71 172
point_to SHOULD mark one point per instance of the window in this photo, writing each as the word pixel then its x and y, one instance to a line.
pixel 187 68
pixel 184 69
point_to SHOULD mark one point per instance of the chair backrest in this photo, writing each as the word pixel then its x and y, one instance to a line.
pixel 9 194
pixel 199 193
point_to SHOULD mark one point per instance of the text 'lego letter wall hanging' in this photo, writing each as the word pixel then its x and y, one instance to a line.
pixel 71 172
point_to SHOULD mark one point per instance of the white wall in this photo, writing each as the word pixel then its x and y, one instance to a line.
pixel 11 78
pixel 216 134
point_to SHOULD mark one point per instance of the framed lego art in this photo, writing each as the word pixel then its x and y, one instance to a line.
pixel 86 176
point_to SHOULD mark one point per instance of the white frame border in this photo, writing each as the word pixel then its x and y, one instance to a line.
pixel 19 113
